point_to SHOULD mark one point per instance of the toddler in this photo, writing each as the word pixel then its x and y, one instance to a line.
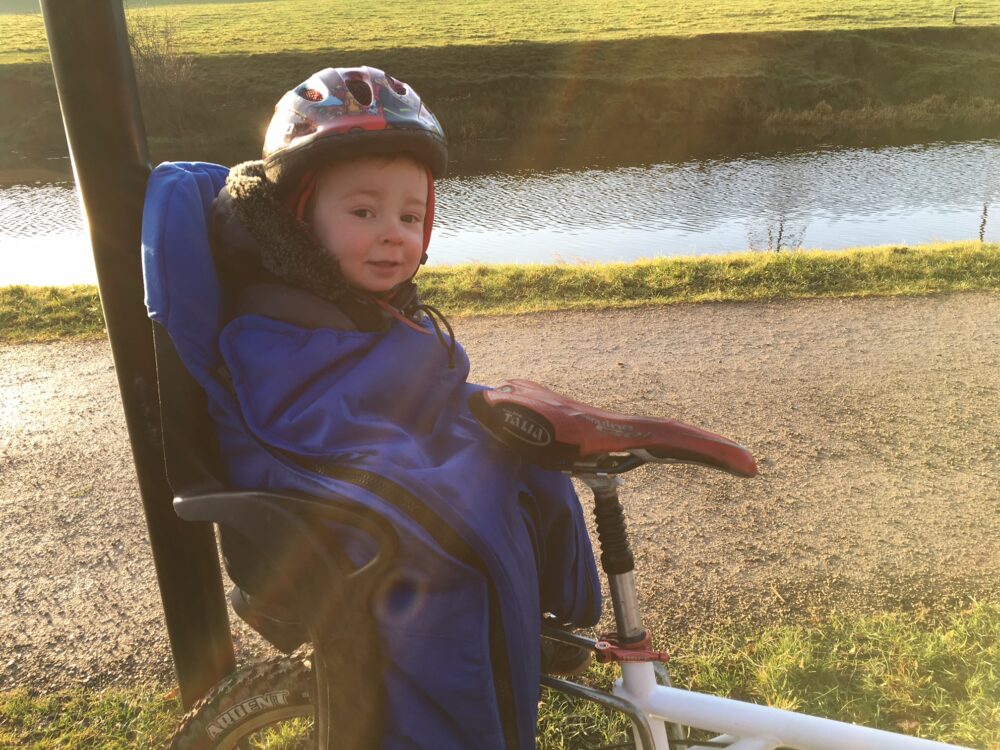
pixel 333 357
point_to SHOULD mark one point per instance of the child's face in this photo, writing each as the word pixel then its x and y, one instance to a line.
pixel 369 213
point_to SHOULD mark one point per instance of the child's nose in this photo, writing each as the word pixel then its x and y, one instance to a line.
pixel 392 233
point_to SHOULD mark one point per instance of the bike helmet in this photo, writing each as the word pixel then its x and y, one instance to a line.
pixel 335 113
pixel 341 112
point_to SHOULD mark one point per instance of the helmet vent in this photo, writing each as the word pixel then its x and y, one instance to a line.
pixel 299 129
pixel 395 85
pixel 312 95
pixel 360 91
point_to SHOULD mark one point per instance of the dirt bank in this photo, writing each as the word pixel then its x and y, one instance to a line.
pixel 874 422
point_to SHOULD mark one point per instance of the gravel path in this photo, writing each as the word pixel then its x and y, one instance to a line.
pixel 875 424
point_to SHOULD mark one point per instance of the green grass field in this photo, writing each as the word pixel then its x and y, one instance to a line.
pixel 924 674
pixel 53 313
pixel 303 25
pixel 532 74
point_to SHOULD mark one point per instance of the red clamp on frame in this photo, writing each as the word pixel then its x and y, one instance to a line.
pixel 609 649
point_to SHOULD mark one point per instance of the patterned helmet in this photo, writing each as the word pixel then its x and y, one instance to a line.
pixel 349 112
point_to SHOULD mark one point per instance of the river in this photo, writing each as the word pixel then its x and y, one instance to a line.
pixel 824 197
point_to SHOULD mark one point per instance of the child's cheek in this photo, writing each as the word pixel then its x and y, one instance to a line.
pixel 324 234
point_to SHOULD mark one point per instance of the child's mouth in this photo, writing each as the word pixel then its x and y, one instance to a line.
pixel 383 266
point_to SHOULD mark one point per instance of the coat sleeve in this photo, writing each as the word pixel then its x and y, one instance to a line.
pixel 569 586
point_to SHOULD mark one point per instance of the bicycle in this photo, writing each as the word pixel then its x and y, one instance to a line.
pixel 595 446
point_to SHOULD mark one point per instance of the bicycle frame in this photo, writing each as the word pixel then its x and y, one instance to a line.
pixel 655 708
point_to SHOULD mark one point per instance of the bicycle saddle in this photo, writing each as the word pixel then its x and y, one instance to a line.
pixel 559 433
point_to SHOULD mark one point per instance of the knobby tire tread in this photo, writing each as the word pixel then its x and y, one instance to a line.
pixel 292 673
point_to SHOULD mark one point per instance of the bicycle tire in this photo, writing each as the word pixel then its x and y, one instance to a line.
pixel 250 699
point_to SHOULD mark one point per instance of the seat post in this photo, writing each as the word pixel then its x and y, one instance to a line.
pixel 616 555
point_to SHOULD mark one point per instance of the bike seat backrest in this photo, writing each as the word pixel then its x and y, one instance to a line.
pixel 557 432
pixel 184 298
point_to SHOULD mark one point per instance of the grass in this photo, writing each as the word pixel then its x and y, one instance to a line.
pixel 934 675
pixel 84 720
pixel 52 313
pixel 878 271
pixel 306 25
pixel 585 72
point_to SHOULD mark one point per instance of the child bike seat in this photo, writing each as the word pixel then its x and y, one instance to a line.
pixel 557 432
pixel 288 413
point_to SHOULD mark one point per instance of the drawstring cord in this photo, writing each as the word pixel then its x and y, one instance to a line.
pixel 434 315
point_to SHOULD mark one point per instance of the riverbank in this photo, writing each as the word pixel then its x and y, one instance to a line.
pixel 558 101
pixel 52 313
pixel 927 675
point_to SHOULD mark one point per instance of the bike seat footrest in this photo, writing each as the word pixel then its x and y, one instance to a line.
pixel 609 649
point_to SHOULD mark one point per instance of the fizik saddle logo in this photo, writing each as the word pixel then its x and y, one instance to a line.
pixel 524 427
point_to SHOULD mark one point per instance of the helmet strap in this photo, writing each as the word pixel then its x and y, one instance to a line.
pixel 428 216
pixel 297 201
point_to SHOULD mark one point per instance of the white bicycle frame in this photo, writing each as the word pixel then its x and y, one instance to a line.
pixel 659 711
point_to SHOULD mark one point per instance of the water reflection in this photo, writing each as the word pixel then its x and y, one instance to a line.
pixel 38 209
pixel 43 236
pixel 830 198
pixel 826 198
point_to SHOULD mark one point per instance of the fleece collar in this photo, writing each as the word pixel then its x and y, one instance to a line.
pixel 287 247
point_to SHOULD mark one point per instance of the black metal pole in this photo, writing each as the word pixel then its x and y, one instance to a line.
pixel 95 80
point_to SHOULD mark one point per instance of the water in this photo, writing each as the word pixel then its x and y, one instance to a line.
pixel 825 198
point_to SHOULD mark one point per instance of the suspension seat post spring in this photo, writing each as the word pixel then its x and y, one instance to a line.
pixel 616 553
pixel 616 556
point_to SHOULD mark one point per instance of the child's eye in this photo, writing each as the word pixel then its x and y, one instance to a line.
pixel 363 213
pixel 412 219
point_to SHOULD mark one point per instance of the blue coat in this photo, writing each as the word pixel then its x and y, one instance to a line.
pixel 497 541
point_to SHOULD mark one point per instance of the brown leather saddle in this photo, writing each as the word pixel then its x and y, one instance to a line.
pixel 559 433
